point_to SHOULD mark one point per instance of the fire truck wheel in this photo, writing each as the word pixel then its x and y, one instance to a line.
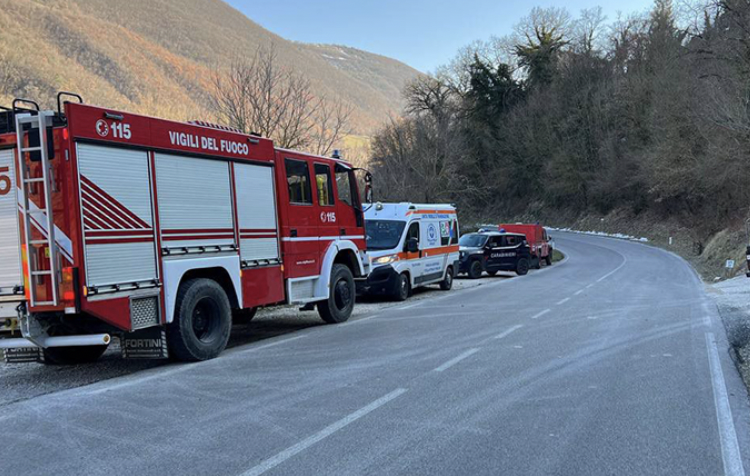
pixel 403 288
pixel 475 269
pixel 538 263
pixel 522 267
pixel 202 322
pixel 338 307
pixel 447 283
pixel 73 355
pixel 548 258
pixel 243 316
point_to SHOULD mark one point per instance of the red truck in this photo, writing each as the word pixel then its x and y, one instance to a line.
pixel 539 242
pixel 158 232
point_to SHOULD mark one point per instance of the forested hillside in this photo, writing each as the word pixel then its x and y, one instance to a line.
pixel 159 57
pixel 645 115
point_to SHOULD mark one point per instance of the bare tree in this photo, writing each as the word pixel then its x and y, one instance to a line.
pixel 587 31
pixel 331 125
pixel 258 95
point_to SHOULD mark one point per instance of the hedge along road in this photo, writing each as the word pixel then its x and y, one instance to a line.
pixel 613 362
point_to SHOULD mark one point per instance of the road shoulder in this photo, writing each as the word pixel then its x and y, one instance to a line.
pixel 732 298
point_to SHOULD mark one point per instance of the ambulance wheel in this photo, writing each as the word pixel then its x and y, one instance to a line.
pixel 340 303
pixel 73 355
pixel 522 267
pixel 447 283
pixel 475 269
pixel 243 316
pixel 403 288
pixel 203 321
pixel 548 258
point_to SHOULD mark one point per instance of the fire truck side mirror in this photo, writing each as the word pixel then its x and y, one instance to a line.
pixel 368 188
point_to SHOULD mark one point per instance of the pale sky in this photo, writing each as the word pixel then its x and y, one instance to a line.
pixel 422 33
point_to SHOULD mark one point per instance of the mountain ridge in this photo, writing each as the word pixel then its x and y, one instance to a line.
pixel 159 56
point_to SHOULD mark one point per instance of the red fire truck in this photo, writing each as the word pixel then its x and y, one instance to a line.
pixel 157 232
pixel 540 245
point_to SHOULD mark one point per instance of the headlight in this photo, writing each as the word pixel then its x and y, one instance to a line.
pixel 385 259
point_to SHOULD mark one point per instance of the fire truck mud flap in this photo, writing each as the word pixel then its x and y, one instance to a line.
pixel 148 343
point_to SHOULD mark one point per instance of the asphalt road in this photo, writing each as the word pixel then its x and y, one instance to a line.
pixel 612 362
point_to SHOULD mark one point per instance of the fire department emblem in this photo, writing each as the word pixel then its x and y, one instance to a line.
pixel 102 128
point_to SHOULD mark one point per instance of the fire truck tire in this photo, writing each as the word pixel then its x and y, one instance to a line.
pixel 538 263
pixel 203 321
pixel 447 283
pixel 548 258
pixel 522 267
pixel 475 269
pixel 244 316
pixel 403 288
pixel 340 303
pixel 73 355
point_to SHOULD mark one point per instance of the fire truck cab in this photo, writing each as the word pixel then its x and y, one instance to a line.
pixel 157 232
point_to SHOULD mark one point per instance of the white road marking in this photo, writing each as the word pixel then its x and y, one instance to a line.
pixel 563 301
pixel 364 319
pixel 590 286
pixel 322 434
pixel 730 447
pixel 578 292
pixel 410 306
pixel 456 360
pixel 624 260
pixel 508 332
pixel 537 316
pixel 266 346
pixel 706 314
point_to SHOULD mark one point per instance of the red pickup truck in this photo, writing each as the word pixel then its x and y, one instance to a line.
pixel 539 242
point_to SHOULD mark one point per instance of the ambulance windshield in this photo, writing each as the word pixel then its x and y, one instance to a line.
pixel 383 234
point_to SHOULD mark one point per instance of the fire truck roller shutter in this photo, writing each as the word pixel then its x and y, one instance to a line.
pixel 256 212
pixel 116 203
pixel 195 203
pixel 10 249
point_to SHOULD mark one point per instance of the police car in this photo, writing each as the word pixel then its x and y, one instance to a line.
pixel 493 251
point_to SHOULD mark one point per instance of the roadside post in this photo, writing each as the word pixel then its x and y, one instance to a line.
pixel 728 267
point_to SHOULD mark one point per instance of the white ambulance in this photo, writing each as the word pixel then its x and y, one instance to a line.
pixel 410 245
